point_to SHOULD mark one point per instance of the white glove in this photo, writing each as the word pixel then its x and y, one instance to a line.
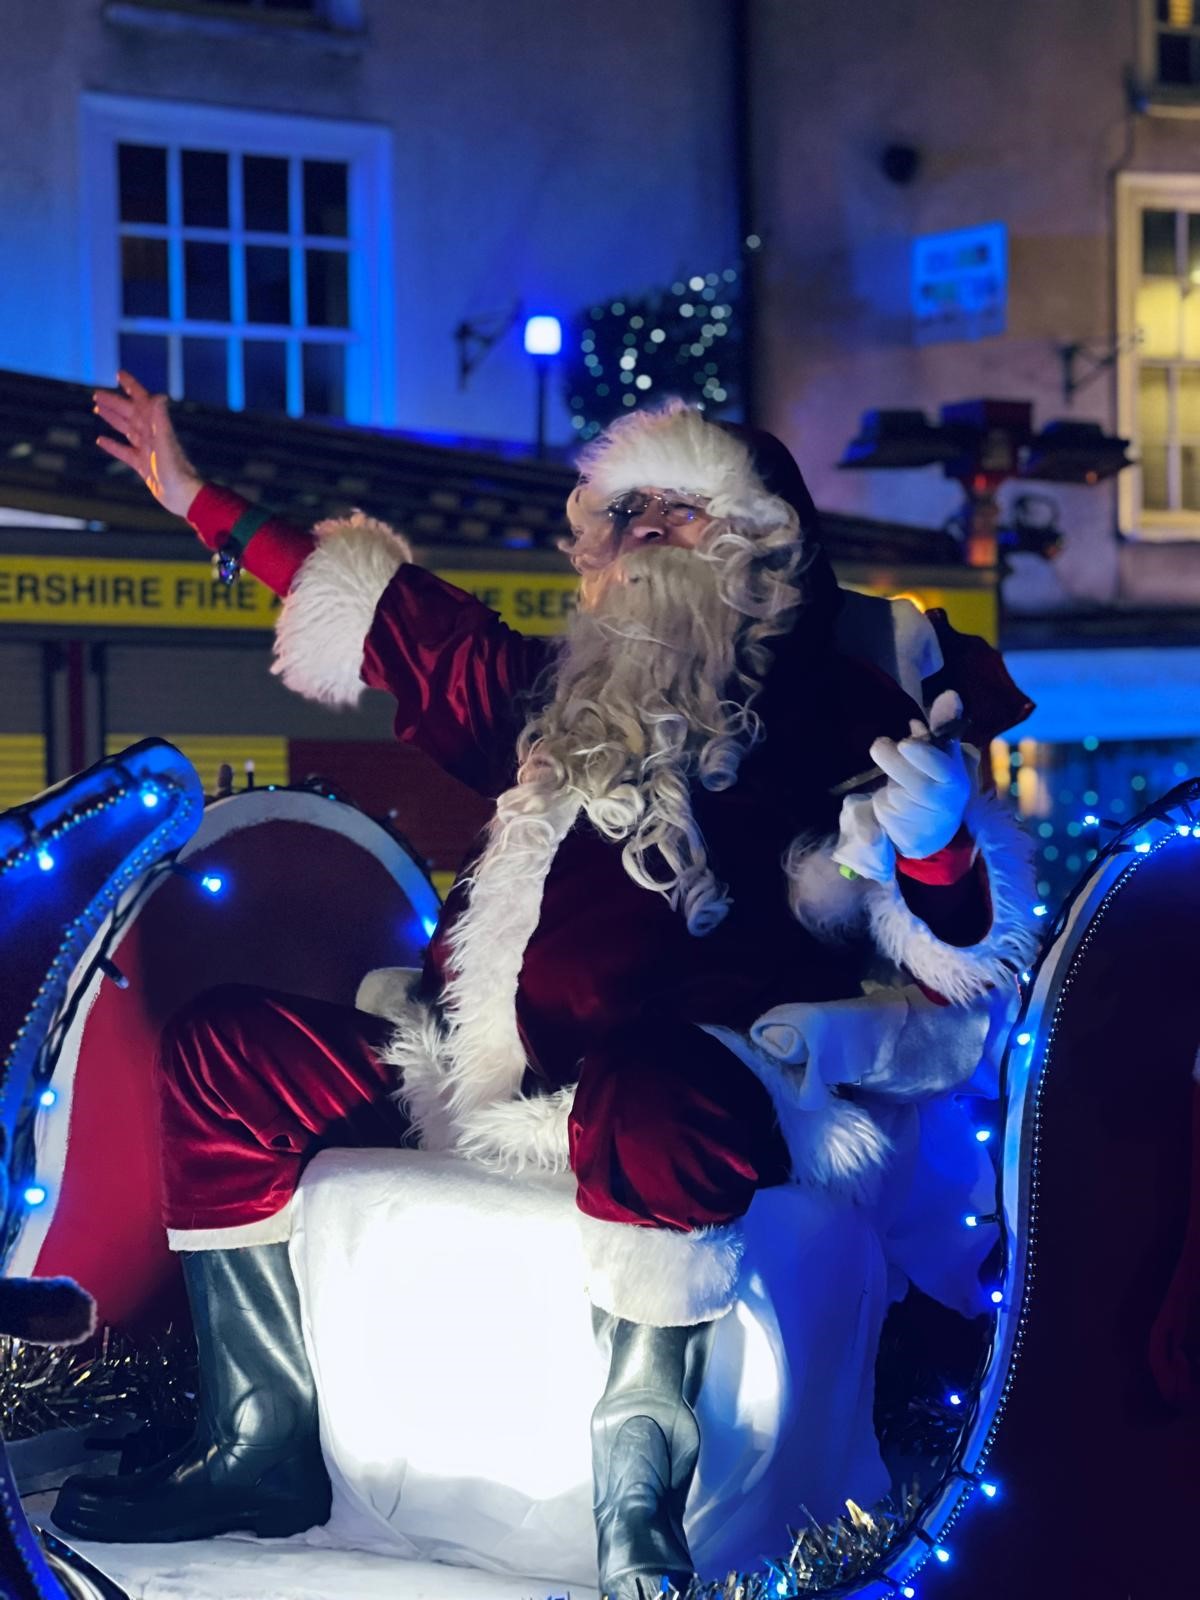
pixel 863 848
pixel 921 807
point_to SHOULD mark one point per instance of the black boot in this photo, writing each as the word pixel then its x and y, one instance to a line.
pixel 645 1441
pixel 254 1463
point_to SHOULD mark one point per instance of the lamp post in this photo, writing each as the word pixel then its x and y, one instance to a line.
pixel 543 341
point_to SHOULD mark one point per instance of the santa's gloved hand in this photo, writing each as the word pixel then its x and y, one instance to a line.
pixel 922 805
pixel 863 850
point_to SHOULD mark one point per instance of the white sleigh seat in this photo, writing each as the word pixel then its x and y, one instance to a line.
pixel 451 1339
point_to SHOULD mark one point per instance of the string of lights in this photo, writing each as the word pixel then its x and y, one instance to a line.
pixel 683 340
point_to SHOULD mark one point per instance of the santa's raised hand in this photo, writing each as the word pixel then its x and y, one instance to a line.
pixel 921 806
pixel 150 445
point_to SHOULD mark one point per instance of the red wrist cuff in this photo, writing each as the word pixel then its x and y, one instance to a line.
pixel 948 865
pixel 276 552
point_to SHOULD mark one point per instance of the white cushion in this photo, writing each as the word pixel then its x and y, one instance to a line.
pixel 452 1345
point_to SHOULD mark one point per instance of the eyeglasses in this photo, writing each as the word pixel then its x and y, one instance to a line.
pixel 675 513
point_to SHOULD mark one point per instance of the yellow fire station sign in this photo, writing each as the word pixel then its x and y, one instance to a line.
pixel 112 592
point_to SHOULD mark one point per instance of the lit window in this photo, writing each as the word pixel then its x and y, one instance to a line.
pixel 1159 274
pixel 243 253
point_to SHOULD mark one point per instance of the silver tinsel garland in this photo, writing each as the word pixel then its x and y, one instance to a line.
pixel 47 1386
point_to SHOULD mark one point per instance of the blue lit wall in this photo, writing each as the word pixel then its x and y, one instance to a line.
pixel 550 156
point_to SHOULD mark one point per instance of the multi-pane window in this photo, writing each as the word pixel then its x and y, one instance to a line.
pixel 241 259
pixel 1177 43
pixel 235 280
pixel 1167 320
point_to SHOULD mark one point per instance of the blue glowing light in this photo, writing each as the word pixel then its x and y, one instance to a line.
pixel 1040 910
pixel 44 859
pixel 47 1098
pixel 782 1586
pixel 543 336
pixel 941 1555
pixel 1091 820
pixel 1183 830
pixel 971 1220
pixel 997 1297
pixel 989 1489
pixel 430 926
pixel 1143 849
pixel 213 882
pixel 908 1591
pixel 35 1195
pixel 150 796
pixel 954 1398
pixel 982 1135
pixel 1024 1038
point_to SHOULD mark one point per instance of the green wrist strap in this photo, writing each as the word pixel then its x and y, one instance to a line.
pixel 244 529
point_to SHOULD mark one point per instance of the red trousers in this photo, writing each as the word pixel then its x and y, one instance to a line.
pixel 668 1128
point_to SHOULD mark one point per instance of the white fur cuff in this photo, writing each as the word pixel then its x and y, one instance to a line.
pixel 960 973
pixel 329 610
pixel 659 1276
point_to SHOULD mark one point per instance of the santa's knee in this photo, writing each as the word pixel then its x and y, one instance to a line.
pixel 208 1030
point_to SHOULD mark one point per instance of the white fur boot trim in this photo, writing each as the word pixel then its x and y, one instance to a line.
pixel 275 1229
pixel 960 973
pixel 660 1276
pixel 329 610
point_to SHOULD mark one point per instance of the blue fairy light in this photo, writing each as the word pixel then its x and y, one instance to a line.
pixel 47 1098
pixel 1040 910
pixel 989 1489
pixel 1024 1038
pixel 997 1297
pixel 1143 849
pixel 430 926
pixel 213 882
pixel 970 1221
pixel 1091 820
pixel 35 1195
pixel 44 859
pixel 954 1398
pixel 908 1591
pixel 941 1554
pixel 982 1135
pixel 1183 830
pixel 150 796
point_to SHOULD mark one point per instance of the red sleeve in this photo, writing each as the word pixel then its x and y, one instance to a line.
pixel 276 552
pixel 460 676
pixel 949 892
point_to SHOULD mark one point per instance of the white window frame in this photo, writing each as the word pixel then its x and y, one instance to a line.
pixel 109 120
pixel 1137 192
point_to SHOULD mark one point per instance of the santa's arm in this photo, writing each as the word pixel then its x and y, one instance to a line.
pixel 933 867
pixel 358 613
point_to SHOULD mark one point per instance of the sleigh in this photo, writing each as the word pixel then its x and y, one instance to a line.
pixel 446 1316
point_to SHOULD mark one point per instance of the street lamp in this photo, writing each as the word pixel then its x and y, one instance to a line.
pixel 543 341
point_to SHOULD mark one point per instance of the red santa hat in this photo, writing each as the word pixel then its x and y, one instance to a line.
pixel 747 476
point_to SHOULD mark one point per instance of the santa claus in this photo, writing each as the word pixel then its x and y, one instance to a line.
pixel 670 860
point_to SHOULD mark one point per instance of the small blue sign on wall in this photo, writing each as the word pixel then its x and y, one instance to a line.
pixel 960 283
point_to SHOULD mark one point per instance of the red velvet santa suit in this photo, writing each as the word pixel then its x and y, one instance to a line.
pixel 667 1128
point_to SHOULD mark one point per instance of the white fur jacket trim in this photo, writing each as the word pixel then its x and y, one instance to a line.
pixel 330 607
pixel 659 1276
pixel 460 1076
